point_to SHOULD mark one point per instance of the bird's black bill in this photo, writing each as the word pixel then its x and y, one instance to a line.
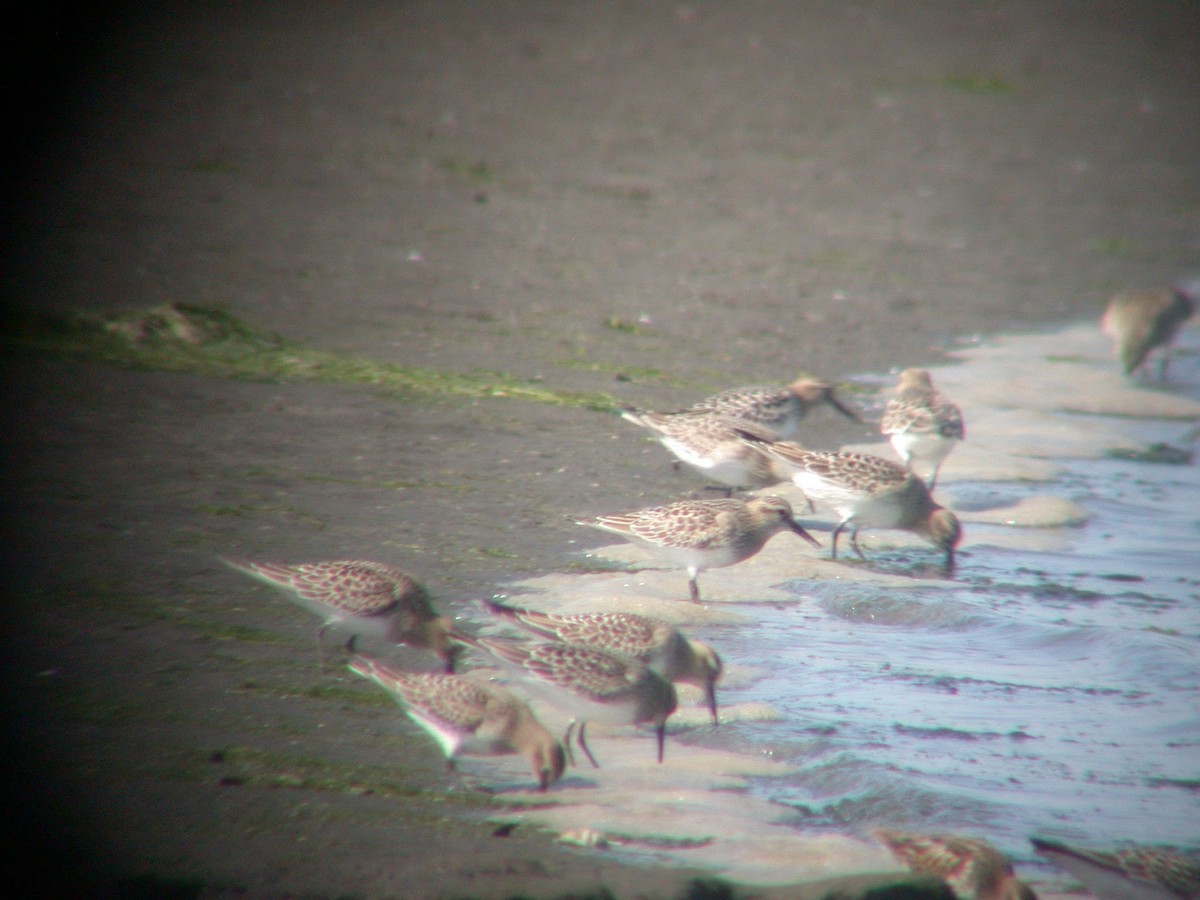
pixel 796 527
pixel 843 409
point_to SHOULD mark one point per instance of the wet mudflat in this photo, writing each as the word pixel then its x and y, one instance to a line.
pixel 644 204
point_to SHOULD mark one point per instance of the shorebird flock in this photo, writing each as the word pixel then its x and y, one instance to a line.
pixel 621 668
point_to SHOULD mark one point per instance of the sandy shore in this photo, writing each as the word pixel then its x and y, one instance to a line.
pixel 649 202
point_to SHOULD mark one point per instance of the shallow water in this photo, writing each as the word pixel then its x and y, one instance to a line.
pixel 1052 687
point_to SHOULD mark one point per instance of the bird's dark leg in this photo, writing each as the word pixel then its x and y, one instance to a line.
pixel 836 532
pixel 854 543
pixel 567 743
pixel 582 741
pixel 321 650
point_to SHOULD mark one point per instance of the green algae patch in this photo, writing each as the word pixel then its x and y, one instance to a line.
pixel 616 323
pixel 288 689
pixel 208 341
pixel 622 373
pixel 1164 454
pixel 977 83
pixel 221 631
pixel 113 600
pixel 1116 247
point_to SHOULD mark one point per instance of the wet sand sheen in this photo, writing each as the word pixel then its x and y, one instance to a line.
pixel 1007 483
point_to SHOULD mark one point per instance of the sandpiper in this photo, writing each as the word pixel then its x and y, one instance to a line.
pixel 922 424
pixel 972 867
pixel 588 683
pixel 870 492
pixel 779 408
pixel 658 644
pixel 469 717
pixel 364 598
pixel 1133 871
pixel 711 444
pixel 705 534
pixel 1142 320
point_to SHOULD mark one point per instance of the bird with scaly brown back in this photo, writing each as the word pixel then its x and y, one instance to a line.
pixel 972 867
pixel 869 492
pixel 1151 873
pixel 922 424
pixel 588 683
pixel 1143 321
pixel 704 534
pixel 779 408
pixel 661 646
pixel 469 717
pixel 361 597
pixel 711 444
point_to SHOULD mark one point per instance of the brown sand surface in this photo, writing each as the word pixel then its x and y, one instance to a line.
pixel 654 201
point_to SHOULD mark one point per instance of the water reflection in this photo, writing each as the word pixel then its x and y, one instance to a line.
pixel 1053 687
